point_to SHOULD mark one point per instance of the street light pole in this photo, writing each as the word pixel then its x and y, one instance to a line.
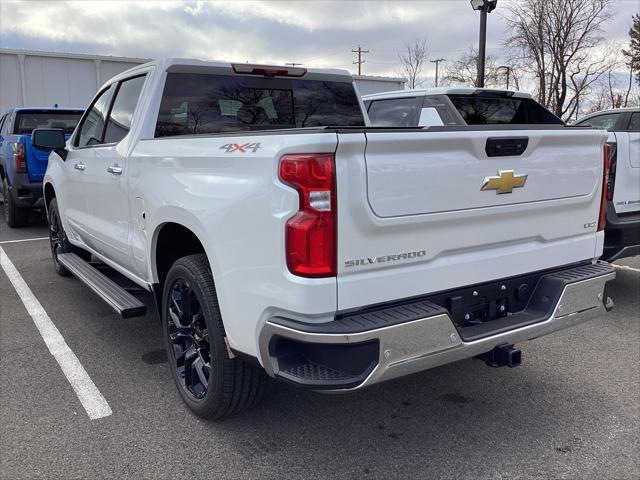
pixel 483 47
pixel 437 62
pixel 508 69
pixel 484 7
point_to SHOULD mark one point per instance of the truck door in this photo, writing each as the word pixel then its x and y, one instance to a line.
pixel 72 194
pixel 626 193
pixel 106 180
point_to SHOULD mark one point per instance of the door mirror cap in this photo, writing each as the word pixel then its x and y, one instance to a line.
pixel 48 139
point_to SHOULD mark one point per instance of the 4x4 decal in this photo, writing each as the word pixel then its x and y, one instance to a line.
pixel 234 147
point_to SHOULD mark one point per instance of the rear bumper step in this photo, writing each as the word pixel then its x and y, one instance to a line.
pixel 362 349
pixel 114 295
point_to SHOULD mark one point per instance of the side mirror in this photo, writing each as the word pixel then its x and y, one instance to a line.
pixel 48 139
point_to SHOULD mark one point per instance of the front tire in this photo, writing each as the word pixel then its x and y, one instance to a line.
pixel 13 215
pixel 57 238
pixel 211 384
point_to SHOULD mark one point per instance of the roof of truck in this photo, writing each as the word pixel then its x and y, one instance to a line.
pixel 193 65
pixel 442 91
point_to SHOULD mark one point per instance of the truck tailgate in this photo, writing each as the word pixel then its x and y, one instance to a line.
pixel 433 210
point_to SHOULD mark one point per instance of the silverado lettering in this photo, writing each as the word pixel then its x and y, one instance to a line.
pixel 385 258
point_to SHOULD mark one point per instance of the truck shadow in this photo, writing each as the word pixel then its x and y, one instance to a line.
pixel 490 420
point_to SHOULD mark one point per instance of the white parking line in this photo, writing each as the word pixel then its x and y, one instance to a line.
pixel 92 400
pixel 24 240
pixel 625 267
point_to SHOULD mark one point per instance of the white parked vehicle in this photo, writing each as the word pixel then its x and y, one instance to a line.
pixel 279 233
pixel 450 106
pixel 622 232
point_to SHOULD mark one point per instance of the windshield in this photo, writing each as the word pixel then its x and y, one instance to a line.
pixel 196 103
pixel 26 122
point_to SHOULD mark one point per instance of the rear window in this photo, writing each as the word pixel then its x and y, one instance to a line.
pixel 395 112
pixel 197 103
pixel 487 110
pixel 407 111
pixel 26 122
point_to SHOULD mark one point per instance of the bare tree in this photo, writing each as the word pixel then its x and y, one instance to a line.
pixel 464 70
pixel 632 55
pixel 618 88
pixel 556 40
pixel 412 61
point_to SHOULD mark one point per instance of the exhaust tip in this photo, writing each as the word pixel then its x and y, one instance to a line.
pixel 608 304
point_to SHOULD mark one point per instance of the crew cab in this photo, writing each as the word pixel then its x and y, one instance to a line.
pixel 21 166
pixel 280 233
pixel 622 232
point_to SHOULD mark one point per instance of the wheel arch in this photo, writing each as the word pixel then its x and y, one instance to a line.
pixel 172 240
pixel 49 194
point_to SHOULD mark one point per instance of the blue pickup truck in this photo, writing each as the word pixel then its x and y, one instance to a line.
pixel 22 167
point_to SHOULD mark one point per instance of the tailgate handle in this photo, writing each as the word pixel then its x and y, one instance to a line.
pixel 506 147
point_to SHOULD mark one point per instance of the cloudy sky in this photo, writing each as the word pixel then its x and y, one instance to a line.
pixel 316 33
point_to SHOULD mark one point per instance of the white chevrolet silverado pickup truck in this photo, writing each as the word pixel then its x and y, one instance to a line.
pixel 282 234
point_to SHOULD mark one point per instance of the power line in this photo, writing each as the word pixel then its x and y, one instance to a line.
pixel 360 60
pixel 437 62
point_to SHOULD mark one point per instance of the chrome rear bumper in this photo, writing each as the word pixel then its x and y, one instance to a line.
pixel 432 341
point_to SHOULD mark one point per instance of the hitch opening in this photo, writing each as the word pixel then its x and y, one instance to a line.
pixel 505 355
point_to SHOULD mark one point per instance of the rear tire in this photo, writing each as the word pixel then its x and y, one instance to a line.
pixel 211 384
pixel 13 215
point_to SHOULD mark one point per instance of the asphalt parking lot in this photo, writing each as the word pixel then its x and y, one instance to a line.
pixel 572 410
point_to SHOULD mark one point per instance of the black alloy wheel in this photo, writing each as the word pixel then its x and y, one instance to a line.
pixel 189 338
pixel 212 381
pixel 57 238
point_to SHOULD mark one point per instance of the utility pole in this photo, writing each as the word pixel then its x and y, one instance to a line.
pixel 437 62
pixel 292 64
pixel 360 61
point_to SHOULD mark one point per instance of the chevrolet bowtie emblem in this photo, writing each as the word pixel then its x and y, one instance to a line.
pixel 504 182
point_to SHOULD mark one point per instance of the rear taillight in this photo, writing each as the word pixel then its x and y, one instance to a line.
pixel 311 233
pixel 607 190
pixel 611 180
pixel 19 158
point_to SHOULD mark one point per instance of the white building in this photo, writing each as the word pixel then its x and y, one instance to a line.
pixel 42 79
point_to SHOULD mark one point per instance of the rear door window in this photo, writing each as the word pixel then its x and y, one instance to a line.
pixel 6 126
pixel 123 108
pixel 395 112
pixel 201 103
pixel 634 124
pixel 607 121
pixel 494 110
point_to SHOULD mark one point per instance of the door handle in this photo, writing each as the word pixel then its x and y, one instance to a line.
pixel 79 166
pixel 115 169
